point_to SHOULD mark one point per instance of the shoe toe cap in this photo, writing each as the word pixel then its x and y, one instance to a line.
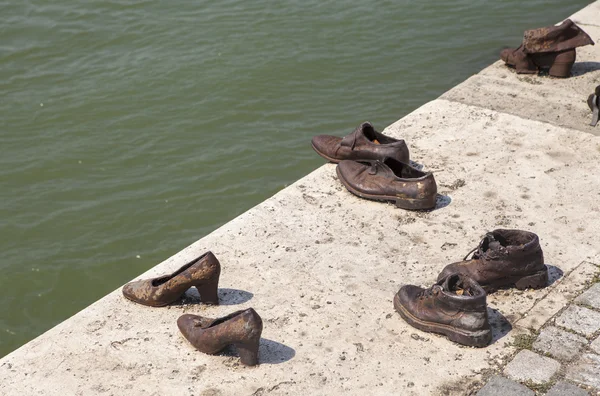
pixel 326 145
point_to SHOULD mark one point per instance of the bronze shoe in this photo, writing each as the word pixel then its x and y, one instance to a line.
pixel 389 180
pixel 550 49
pixel 504 258
pixel 241 328
pixel 455 306
pixel 362 144
pixel 202 273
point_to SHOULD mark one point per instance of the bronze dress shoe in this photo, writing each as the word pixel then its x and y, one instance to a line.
pixel 389 180
pixel 504 258
pixel 362 144
pixel 455 306
pixel 241 328
pixel 202 272
pixel 550 49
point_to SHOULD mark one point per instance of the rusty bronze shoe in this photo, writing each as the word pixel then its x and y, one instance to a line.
pixel 594 105
pixel 389 180
pixel 362 144
pixel 550 49
pixel 202 273
pixel 455 307
pixel 241 329
pixel 504 258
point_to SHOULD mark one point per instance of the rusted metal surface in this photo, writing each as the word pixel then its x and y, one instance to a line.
pixel 202 272
pixel 504 258
pixel 241 329
pixel 455 306
pixel 555 38
pixel 389 180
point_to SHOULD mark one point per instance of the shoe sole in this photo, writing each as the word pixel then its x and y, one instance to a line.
pixel 335 161
pixel 404 203
pixel 537 280
pixel 479 339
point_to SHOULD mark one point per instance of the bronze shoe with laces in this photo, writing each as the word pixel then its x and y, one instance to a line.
pixel 202 272
pixel 504 258
pixel 389 180
pixel 455 307
pixel 241 329
pixel 363 143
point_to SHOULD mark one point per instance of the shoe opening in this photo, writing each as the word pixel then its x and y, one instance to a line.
pixel 163 279
pixel 376 137
pixel 402 170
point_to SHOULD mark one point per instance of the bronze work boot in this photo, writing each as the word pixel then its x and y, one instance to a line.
pixel 548 49
pixel 202 272
pixel 241 328
pixel 594 104
pixel 504 258
pixel 362 144
pixel 455 307
pixel 389 180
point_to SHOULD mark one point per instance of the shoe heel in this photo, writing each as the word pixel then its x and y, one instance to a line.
pixel 535 281
pixel 209 291
pixel 561 70
pixel 248 352
pixel 478 339
pixel 416 204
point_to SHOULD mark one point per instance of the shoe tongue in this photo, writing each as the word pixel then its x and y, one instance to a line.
pixel 456 285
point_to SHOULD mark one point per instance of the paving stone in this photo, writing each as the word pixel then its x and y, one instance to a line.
pixel 586 370
pixel 580 319
pixel 530 366
pixel 559 343
pixel 596 345
pixel 591 297
pixel 500 386
pixel 566 389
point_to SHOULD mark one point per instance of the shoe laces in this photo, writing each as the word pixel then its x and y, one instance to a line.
pixel 432 291
pixel 374 167
pixel 478 250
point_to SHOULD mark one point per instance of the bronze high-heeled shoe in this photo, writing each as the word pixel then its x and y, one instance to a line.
pixel 549 49
pixel 202 272
pixel 241 328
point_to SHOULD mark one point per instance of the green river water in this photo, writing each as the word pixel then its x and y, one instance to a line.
pixel 132 128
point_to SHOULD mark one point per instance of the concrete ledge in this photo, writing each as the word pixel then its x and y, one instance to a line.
pixel 321 266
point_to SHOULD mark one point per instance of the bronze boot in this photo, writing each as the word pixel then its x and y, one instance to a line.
pixel 548 49
pixel 504 258
pixel 389 180
pixel 202 272
pixel 364 143
pixel 241 328
pixel 455 307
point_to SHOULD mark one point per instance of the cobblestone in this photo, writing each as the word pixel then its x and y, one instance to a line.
pixel 586 371
pixel 579 319
pixel 529 366
pixel 591 297
pixel 566 389
pixel 500 386
pixel 559 343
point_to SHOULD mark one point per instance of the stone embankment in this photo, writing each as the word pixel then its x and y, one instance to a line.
pixel 321 267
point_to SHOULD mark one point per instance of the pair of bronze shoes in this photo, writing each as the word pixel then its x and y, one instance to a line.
pixel 548 49
pixel 241 329
pixel 456 305
pixel 375 166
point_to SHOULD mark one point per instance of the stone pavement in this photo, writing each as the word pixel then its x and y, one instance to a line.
pixel 321 265
pixel 562 358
